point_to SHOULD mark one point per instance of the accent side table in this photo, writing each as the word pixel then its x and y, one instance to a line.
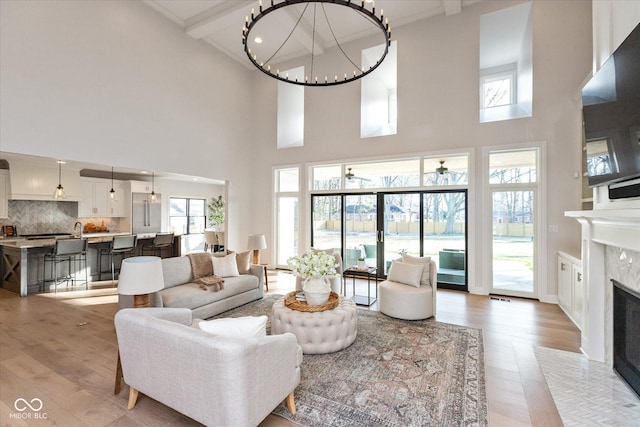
pixel 368 273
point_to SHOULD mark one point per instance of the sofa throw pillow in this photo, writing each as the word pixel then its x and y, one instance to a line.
pixel 405 273
pixel 236 327
pixel 425 261
pixel 225 266
pixel 243 260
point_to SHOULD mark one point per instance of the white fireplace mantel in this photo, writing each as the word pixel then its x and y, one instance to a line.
pixel 619 228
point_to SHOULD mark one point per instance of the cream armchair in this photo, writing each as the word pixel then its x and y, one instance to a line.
pixel 336 282
pixel 215 380
pixel 406 302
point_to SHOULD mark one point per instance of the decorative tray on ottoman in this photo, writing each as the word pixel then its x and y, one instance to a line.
pixel 293 303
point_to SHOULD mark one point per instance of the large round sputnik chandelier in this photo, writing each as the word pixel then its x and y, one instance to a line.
pixel 316 15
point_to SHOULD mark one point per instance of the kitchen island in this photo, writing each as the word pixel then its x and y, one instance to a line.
pixel 22 260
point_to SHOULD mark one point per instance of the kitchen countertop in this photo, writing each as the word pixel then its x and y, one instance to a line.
pixel 18 242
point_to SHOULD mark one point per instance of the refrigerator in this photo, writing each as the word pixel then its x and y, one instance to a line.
pixel 145 216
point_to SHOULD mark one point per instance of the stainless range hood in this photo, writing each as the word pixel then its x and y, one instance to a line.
pixel 36 179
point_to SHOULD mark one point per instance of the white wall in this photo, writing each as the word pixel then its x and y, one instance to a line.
pixel 116 83
pixel 438 112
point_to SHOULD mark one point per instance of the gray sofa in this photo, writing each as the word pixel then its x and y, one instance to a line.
pixel 216 380
pixel 181 292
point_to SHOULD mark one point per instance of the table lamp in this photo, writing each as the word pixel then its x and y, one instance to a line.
pixel 257 242
pixel 139 276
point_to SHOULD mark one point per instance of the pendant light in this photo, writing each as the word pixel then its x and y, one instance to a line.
pixel 112 193
pixel 59 191
pixel 152 197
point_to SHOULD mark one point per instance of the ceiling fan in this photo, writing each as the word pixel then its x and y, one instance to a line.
pixel 351 176
pixel 442 170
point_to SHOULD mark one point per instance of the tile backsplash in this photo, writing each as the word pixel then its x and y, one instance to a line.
pixel 36 216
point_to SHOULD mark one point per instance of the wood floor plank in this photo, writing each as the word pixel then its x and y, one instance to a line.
pixel 62 348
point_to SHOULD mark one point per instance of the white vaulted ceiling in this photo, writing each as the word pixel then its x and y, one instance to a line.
pixel 220 22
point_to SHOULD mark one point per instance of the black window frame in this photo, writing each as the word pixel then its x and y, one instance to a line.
pixel 187 213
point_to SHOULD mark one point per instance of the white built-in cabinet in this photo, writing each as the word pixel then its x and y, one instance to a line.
pixel 4 180
pixel 95 198
pixel 571 287
pixel 145 187
pixel 118 208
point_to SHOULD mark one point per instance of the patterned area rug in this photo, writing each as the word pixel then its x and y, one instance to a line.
pixel 396 373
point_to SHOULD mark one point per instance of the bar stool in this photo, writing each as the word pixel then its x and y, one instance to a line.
pixel 120 245
pixel 72 252
pixel 159 243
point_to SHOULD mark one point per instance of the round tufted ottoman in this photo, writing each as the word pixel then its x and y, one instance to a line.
pixel 318 332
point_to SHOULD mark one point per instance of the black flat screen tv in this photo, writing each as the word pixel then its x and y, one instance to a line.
pixel 611 114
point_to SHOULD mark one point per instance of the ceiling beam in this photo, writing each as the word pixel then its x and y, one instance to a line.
pixel 207 21
pixel 452 7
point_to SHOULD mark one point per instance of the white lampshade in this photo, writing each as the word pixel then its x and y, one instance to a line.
pixel 140 275
pixel 257 242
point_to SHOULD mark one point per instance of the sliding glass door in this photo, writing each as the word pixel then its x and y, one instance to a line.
pixel 381 227
pixel 401 227
pixel 444 236
pixel 326 216
pixel 361 212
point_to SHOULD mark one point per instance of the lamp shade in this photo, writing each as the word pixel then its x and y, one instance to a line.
pixel 140 275
pixel 257 242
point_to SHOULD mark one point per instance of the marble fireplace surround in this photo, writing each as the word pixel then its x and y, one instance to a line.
pixel 610 250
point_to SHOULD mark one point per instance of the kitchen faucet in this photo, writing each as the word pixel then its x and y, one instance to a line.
pixel 76 225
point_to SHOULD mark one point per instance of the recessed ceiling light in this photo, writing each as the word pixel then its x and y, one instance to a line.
pixel 145 172
pixel 258 40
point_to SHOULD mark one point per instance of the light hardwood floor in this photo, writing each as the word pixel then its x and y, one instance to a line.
pixel 61 349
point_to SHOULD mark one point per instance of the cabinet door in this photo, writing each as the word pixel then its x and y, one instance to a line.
pixel 564 284
pixel 118 208
pixel 94 199
pixel 85 206
pixel 578 294
pixel 101 199
pixel 4 211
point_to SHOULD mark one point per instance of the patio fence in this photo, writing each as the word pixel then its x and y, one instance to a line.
pixel 430 227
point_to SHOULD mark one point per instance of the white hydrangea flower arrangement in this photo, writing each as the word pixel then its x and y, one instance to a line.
pixel 313 264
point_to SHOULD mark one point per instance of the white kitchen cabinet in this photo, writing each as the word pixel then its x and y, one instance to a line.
pixel 96 201
pixel 145 187
pixel 94 198
pixel 4 180
pixel 118 208
pixel 570 287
